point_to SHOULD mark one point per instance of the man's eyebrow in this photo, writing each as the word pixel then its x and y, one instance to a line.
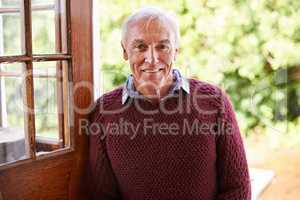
pixel 137 41
pixel 165 41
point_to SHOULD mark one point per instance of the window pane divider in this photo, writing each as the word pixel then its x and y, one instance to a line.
pixel 11 59
pixel 35 58
pixel 34 8
pixel 68 73
pixel 59 72
pixel 28 86
pixel 50 57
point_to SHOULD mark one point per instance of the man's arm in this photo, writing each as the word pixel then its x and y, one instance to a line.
pixel 101 181
pixel 232 168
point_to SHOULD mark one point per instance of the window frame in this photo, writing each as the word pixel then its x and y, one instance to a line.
pixel 28 58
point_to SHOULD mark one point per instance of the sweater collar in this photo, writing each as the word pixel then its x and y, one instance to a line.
pixel 130 91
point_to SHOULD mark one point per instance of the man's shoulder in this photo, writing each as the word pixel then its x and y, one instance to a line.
pixel 211 93
pixel 203 87
pixel 113 94
pixel 105 104
pixel 110 98
pixel 208 93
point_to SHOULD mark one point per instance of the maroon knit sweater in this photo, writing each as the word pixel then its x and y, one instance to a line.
pixel 139 151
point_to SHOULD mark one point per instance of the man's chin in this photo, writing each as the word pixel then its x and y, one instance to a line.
pixel 152 83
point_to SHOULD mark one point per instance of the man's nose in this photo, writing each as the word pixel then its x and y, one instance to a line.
pixel 151 56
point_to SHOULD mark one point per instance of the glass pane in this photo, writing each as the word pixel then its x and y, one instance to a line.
pixel 48 27
pixel 10 28
pixel 42 2
pixel 43 32
pixel 11 3
pixel 48 98
pixel 12 136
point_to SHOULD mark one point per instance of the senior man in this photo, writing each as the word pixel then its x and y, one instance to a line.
pixel 161 135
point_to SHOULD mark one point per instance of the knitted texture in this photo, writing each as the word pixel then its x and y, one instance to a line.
pixel 185 147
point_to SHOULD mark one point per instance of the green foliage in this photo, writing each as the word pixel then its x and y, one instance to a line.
pixel 249 48
pixel 45 96
pixel 12 36
pixel 43 32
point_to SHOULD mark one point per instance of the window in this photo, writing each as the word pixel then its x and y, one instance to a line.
pixel 35 68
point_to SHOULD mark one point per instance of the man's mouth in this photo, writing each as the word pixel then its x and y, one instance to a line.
pixel 152 70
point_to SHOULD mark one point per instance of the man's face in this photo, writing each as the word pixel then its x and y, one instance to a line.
pixel 150 48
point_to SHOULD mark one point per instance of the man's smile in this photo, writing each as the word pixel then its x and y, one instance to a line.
pixel 152 70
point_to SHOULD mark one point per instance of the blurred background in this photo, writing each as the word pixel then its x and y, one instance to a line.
pixel 251 48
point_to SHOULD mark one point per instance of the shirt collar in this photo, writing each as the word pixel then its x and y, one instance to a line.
pixel 130 91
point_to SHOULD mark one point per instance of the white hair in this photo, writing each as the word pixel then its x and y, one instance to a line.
pixel 152 13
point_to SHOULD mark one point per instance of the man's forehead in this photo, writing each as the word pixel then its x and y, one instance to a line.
pixel 149 24
pixel 142 31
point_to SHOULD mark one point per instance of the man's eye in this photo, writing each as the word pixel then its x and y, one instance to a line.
pixel 141 47
pixel 163 47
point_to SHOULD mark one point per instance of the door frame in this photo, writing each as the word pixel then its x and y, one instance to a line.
pixel 61 176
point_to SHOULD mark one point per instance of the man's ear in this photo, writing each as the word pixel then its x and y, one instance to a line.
pixel 125 54
pixel 176 53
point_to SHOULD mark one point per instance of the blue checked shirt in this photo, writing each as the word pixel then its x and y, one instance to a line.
pixel 130 91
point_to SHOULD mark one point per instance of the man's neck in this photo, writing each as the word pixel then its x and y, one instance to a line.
pixel 156 94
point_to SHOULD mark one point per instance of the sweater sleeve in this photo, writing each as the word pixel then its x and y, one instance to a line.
pixel 232 168
pixel 101 181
